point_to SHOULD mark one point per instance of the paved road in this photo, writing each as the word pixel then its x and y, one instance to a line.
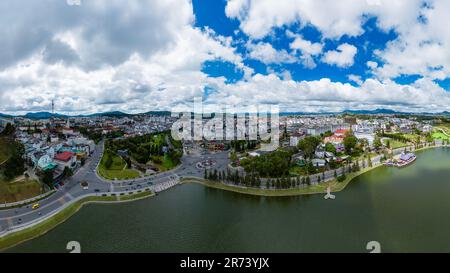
pixel 72 190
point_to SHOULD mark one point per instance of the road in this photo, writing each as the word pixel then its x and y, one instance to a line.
pixel 73 190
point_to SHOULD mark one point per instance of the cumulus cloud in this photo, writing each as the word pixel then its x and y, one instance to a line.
pixel 332 18
pixel 265 53
pixel 148 55
pixel 326 95
pixel 343 56
pixel 422 46
pixel 105 55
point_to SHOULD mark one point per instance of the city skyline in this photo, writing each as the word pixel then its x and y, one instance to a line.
pixel 305 56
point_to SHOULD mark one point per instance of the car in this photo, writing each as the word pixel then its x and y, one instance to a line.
pixel 35 206
pixel 97 190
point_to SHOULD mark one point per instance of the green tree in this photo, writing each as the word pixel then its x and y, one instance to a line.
pixel 308 145
pixel 329 147
pixel 350 143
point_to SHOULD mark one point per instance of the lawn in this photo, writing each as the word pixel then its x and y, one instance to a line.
pixel 165 164
pixel 316 189
pixel 395 144
pixel 440 135
pixel 446 127
pixel 20 190
pixel 117 170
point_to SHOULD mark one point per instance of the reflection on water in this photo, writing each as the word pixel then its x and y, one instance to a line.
pixel 403 209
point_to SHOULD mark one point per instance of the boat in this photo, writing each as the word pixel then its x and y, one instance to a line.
pixel 404 160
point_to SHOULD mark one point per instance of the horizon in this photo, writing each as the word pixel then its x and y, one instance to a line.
pixel 304 56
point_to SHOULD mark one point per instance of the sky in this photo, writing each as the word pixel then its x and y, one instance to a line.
pixel 302 55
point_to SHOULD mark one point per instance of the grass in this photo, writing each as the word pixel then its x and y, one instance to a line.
pixel 47 225
pixel 316 189
pixel 11 192
pixel 395 144
pixel 136 196
pixel 165 165
pixel 439 135
pixel 445 127
pixel 117 170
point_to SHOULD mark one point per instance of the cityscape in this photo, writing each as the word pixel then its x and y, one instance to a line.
pixel 224 127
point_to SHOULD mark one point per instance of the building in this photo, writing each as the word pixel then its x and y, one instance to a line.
pixel 65 159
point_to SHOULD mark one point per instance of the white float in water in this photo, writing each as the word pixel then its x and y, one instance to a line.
pixel 329 195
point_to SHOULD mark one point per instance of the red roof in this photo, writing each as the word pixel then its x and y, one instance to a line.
pixel 66 156
pixel 341 131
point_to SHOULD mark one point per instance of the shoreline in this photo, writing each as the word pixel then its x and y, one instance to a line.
pixel 311 190
pixel 34 231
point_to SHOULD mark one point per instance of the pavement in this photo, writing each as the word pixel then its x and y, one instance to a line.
pixel 71 190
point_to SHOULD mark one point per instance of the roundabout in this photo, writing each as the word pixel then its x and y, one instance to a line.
pixel 206 164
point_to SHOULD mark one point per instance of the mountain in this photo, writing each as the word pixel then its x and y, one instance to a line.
pixel 112 114
pixel 5 116
pixel 43 115
pixel 158 113
pixel 372 112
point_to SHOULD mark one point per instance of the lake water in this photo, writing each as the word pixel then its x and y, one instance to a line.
pixel 405 210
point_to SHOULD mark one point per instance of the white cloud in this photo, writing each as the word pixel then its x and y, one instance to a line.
pixel 325 95
pixel 333 18
pixel 372 65
pixel 71 67
pixel 265 53
pixel 343 56
pixel 306 47
pixel 355 78
pixel 421 48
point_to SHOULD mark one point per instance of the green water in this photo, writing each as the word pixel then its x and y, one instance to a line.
pixel 406 210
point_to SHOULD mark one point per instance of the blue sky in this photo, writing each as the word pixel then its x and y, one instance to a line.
pixel 211 14
pixel 301 55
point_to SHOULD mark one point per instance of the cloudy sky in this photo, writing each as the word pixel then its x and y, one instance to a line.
pixel 303 55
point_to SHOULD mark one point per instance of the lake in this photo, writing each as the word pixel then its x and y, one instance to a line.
pixel 405 210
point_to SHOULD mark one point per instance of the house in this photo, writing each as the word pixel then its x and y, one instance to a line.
pixel 65 159
pixel 366 133
pixel 340 132
pixel 295 139
pixel 317 162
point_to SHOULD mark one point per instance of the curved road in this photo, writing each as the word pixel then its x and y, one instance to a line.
pixel 72 189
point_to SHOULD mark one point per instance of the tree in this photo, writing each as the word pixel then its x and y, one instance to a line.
pixel 15 165
pixel 47 178
pixel 329 147
pixel 9 130
pixel 308 181
pixel 350 143
pixel 377 143
pixel 67 172
pixel 308 145
pixel 108 160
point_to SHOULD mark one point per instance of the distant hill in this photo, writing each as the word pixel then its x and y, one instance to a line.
pixel 5 116
pixel 43 115
pixel 113 114
pixel 373 112
pixel 158 113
